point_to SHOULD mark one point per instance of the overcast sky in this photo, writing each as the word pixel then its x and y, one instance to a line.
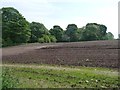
pixel 64 12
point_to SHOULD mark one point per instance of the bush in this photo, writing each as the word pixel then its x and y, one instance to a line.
pixel 41 40
pixel 8 42
pixel 46 38
pixel 52 38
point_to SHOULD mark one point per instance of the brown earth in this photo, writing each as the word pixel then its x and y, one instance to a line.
pixel 90 53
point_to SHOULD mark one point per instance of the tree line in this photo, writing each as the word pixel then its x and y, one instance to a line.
pixel 16 30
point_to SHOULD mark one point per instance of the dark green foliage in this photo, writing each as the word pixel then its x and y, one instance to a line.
pixel 8 81
pixel 103 30
pixel 15 28
pixel 93 31
pixel 0 28
pixel 57 31
pixel 88 35
pixel 118 36
pixel 65 38
pixel 37 31
pixel 71 32
pixel 109 36
pixel 8 42
pixel 80 31
pixel 0 42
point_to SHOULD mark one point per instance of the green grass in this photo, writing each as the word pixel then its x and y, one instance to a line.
pixel 43 76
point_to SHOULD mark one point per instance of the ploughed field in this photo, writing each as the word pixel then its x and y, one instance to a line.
pixel 90 53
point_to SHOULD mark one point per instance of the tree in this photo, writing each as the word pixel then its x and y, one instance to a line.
pixel 57 31
pixel 52 38
pixel 94 31
pixel 37 31
pixel 118 36
pixel 71 32
pixel 109 36
pixel 0 28
pixel 15 28
pixel 47 39
pixel 102 32
pixel 80 31
pixel 90 32
pixel 44 39
pixel 88 35
pixel 65 38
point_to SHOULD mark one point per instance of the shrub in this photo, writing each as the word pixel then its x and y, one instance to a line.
pixel 8 42
pixel 41 40
pixel 52 38
pixel 46 38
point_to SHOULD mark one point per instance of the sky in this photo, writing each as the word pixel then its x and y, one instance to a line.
pixel 64 12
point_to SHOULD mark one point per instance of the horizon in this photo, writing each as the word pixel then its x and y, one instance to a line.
pixel 62 13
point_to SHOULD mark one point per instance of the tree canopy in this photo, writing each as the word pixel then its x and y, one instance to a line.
pixel 57 31
pixel 37 31
pixel 16 30
pixel 109 36
pixel 94 31
pixel 71 32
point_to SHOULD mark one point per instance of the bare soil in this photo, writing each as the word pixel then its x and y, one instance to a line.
pixel 90 53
